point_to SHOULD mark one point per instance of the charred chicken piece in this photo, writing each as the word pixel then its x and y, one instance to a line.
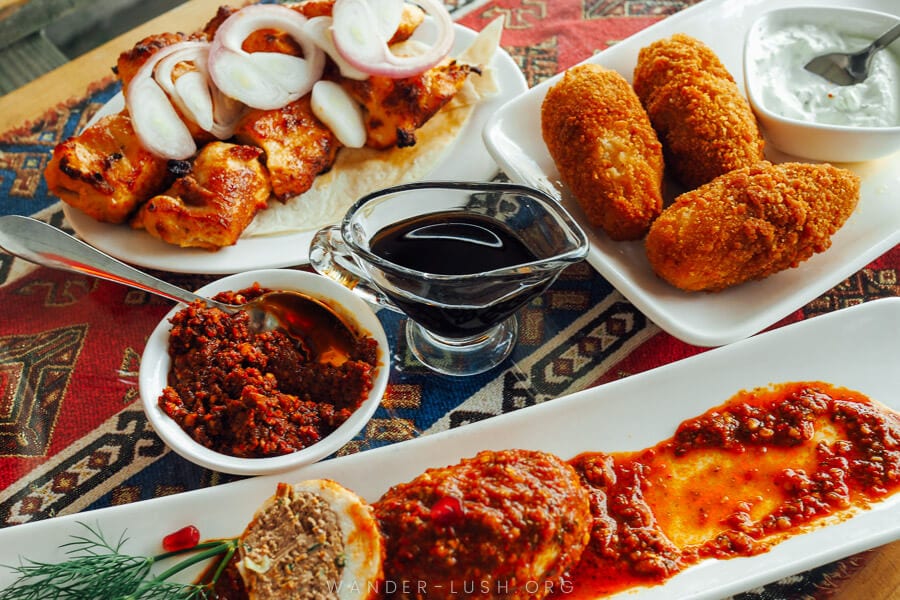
pixel 211 205
pixel 396 108
pixel 104 171
pixel 130 61
pixel 297 146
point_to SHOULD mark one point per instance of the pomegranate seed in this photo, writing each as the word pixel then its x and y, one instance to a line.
pixel 447 511
pixel 183 539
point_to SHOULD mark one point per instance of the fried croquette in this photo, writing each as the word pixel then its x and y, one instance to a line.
pixel 705 124
pixel 605 150
pixel 750 223
pixel 661 61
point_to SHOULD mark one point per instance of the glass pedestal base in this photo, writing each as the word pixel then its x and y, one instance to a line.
pixel 468 356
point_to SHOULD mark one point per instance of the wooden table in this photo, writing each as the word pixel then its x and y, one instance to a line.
pixel 879 579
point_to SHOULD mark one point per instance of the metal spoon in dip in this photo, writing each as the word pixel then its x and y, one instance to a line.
pixel 324 335
pixel 848 68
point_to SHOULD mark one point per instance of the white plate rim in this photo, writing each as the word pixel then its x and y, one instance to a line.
pixel 850 347
pixel 704 319
pixel 467 160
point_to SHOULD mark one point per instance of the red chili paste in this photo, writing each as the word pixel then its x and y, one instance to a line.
pixel 735 481
pixel 256 395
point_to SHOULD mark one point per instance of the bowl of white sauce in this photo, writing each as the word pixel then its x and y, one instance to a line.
pixel 805 115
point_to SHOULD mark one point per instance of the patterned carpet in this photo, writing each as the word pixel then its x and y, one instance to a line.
pixel 73 436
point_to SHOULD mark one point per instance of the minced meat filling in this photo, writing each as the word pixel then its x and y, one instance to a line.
pixel 256 395
pixel 293 549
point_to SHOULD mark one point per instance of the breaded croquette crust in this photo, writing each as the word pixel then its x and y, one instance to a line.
pixel 750 223
pixel 705 124
pixel 659 63
pixel 605 150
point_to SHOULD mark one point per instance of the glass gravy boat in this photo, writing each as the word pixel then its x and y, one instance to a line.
pixel 468 256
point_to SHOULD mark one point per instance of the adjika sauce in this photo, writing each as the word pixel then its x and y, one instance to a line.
pixel 257 395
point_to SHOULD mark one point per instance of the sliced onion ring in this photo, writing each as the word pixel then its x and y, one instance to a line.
pixel 340 113
pixel 190 93
pixel 366 47
pixel 389 15
pixel 227 113
pixel 157 124
pixel 319 29
pixel 265 80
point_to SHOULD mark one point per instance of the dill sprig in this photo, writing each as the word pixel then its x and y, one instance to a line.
pixel 97 570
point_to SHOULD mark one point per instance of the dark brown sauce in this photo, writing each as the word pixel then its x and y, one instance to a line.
pixel 454 244
pixel 451 244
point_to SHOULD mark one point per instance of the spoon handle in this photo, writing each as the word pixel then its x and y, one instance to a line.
pixel 44 244
pixel 892 34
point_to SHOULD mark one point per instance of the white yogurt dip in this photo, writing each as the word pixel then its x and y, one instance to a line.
pixel 789 90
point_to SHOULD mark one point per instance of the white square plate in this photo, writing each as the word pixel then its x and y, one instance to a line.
pixel 513 137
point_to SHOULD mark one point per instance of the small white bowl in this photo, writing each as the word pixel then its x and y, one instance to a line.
pixel 155 364
pixel 806 139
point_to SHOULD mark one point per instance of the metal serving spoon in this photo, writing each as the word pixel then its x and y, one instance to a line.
pixel 323 333
pixel 847 68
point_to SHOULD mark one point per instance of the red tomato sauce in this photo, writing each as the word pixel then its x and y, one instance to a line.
pixel 767 464
pixel 257 394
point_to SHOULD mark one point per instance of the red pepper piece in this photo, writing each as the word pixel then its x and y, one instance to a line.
pixel 447 511
pixel 183 539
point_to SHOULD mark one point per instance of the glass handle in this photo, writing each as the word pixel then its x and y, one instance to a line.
pixel 330 256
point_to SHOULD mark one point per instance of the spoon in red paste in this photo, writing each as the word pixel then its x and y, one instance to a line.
pixel 325 336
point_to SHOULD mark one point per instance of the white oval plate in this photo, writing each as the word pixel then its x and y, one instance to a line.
pixel 513 137
pixel 155 364
pixel 469 160
pixel 852 348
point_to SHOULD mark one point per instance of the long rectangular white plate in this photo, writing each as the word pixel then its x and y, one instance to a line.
pixel 858 348
pixel 513 137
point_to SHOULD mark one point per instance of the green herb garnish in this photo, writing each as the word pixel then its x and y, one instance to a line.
pixel 98 570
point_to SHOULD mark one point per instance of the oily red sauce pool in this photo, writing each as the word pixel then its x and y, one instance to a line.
pixel 734 482
pixel 257 395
